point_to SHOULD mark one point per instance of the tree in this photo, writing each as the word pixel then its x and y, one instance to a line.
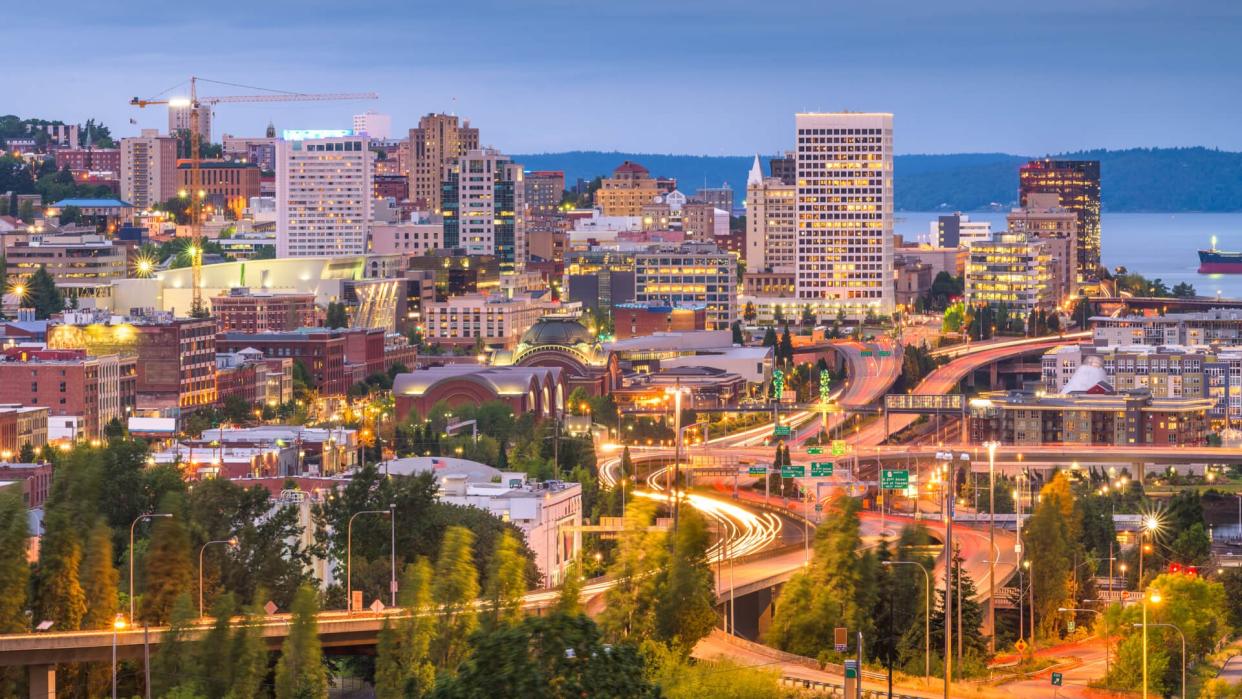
pixel 1052 537
pixel 300 672
pixel 42 294
pixel 250 656
pixel 14 570
pixel 506 583
pixel 216 651
pixel 58 590
pixel 786 353
pixel 738 337
pixel 686 611
pixel 769 338
pixel 681 678
pixel 630 604
pixel 455 586
pixel 965 608
pixel 1182 290
pixel 99 578
pixel 749 313
pixel 337 316
pixel 418 630
pixel 569 600
pixel 169 572
pixel 389 669
pixel 558 656
pixel 175 665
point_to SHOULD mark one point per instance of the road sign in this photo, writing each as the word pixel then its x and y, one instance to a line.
pixel 793 471
pixel 819 507
pixel 815 450
pixel 782 431
pixel 840 637
pixel 821 469
pixel 892 479
pixel 1056 679
pixel 851 666
pixel 1020 645
pixel 952 403
pixel 1070 626
pixel 885 353
pixel 839 447
pixel 757 471
pixel 867 353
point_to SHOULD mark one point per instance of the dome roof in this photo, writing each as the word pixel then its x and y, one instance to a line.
pixel 1086 377
pixel 557 331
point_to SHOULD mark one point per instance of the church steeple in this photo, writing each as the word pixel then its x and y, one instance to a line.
pixel 756 173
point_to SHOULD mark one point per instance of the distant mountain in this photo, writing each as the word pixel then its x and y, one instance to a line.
pixel 1138 179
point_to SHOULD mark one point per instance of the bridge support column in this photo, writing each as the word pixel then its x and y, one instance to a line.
pixel 994 375
pixel 42 681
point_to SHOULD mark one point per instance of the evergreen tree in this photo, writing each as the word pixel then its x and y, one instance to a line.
pixel 685 612
pixel 506 582
pixel 58 590
pixel 42 294
pixel 738 338
pixel 14 570
pixel 769 338
pixel 785 355
pixel 250 657
pixel 455 586
pixel 965 607
pixel 337 317
pixel 389 669
pixel 418 630
pixel 569 600
pixel 1053 542
pixel 174 665
pixel 629 612
pixel 216 654
pixel 99 578
pixel 169 572
pixel 300 672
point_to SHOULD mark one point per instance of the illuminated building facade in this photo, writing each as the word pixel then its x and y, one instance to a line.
pixel 226 184
pixel 323 196
pixel 1013 270
pixel 68 258
pixel 483 201
pixel 844 246
pixel 243 310
pixel 1044 218
pixel 1077 184
pixel 630 188
pixel 93 390
pixel 544 190
pixel 771 223
pixel 689 275
pixel 433 146
pixel 495 319
pixel 180 115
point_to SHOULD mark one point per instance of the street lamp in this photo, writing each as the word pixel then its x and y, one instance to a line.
pixel 1179 633
pixel 926 613
pixel 349 552
pixel 147 517
pixel 675 491
pixel 232 542
pixel 991 446
pixel 1151 525
pixel 118 625
pixel 1155 598
pixel 1101 616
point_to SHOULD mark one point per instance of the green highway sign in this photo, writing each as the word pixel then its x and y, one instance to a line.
pixel 757 471
pixel 867 353
pixel 885 353
pixel 1056 679
pixel 793 471
pixel 815 450
pixel 782 431
pixel 892 479
pixel 821 469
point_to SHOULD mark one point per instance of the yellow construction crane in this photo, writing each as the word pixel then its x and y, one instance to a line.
pixel 196 193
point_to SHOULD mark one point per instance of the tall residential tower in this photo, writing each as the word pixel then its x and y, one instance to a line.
pixel 323 195
pixel 484 202
pixel 434 145
pixel 1077 183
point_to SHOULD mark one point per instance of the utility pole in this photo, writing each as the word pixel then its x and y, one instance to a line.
pixel 992 546
pixel 948 580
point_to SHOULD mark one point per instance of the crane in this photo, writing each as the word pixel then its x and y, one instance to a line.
pixel 196 173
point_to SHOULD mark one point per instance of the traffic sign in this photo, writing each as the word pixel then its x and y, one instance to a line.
pixel 757 471
pixel 867 353
pixel 782 431
pixel 1020 645
pixel 839 447
pixel 885 353
pixel 819 507
pixel 821 469
pixel 815 450
pixel 1070 626
pixel 892 479
pixel 793 471
pixel 840 636
pixel 1056 679
pixel 851 666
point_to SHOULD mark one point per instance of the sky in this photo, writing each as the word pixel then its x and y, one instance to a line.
pixel 678 76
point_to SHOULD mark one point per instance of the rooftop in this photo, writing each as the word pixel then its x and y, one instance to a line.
pixel 93 203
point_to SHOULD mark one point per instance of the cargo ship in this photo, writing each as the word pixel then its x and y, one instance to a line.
pixel 1213 261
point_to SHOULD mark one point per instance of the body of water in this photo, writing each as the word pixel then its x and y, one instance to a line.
pixel 1154 245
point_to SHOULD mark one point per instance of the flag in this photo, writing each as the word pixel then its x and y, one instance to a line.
pixel 437 464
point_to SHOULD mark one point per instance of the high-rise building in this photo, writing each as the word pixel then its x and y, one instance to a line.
pixel 179 119
pixel 226 184
pixel 434 145
pixel 720 197
pixel 1044 218
pixel 844 246
pixel 544 191
pixel 630 188
pixel 784 168
pixel 377 127
pixel 323 195
pixel 148 169
pixel 771 225
pixel 957 230
pixel 483 202
pixel 1077 183
pixel 704 223
pixel 1013 270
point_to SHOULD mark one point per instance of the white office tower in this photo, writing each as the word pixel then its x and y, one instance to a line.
pixel 770 223
pixel 376 126
pixel 845 212
pixel 323 195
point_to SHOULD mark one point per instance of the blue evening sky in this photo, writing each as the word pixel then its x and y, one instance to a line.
pixel 679 76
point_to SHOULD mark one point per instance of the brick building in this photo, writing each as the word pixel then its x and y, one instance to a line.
pixel 321 351
pixel 68 384
pixel 226 184
pixel 631 319
pixel 243 310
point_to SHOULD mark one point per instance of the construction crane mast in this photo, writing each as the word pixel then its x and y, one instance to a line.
pixel 196 193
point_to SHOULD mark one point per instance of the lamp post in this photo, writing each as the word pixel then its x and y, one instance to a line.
pixel 991 544
pixel 1151 525
pixel 675 490
pixel 148 516
pixel 1101 616
pixel 118 625
pixel 1155 598
pixel 349 552
pixel 926 613
pixel 1179 633
pixel 232 542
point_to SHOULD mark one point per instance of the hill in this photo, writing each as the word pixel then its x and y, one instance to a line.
pixel 1137 179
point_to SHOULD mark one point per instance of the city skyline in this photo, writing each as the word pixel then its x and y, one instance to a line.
pixel 957 75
